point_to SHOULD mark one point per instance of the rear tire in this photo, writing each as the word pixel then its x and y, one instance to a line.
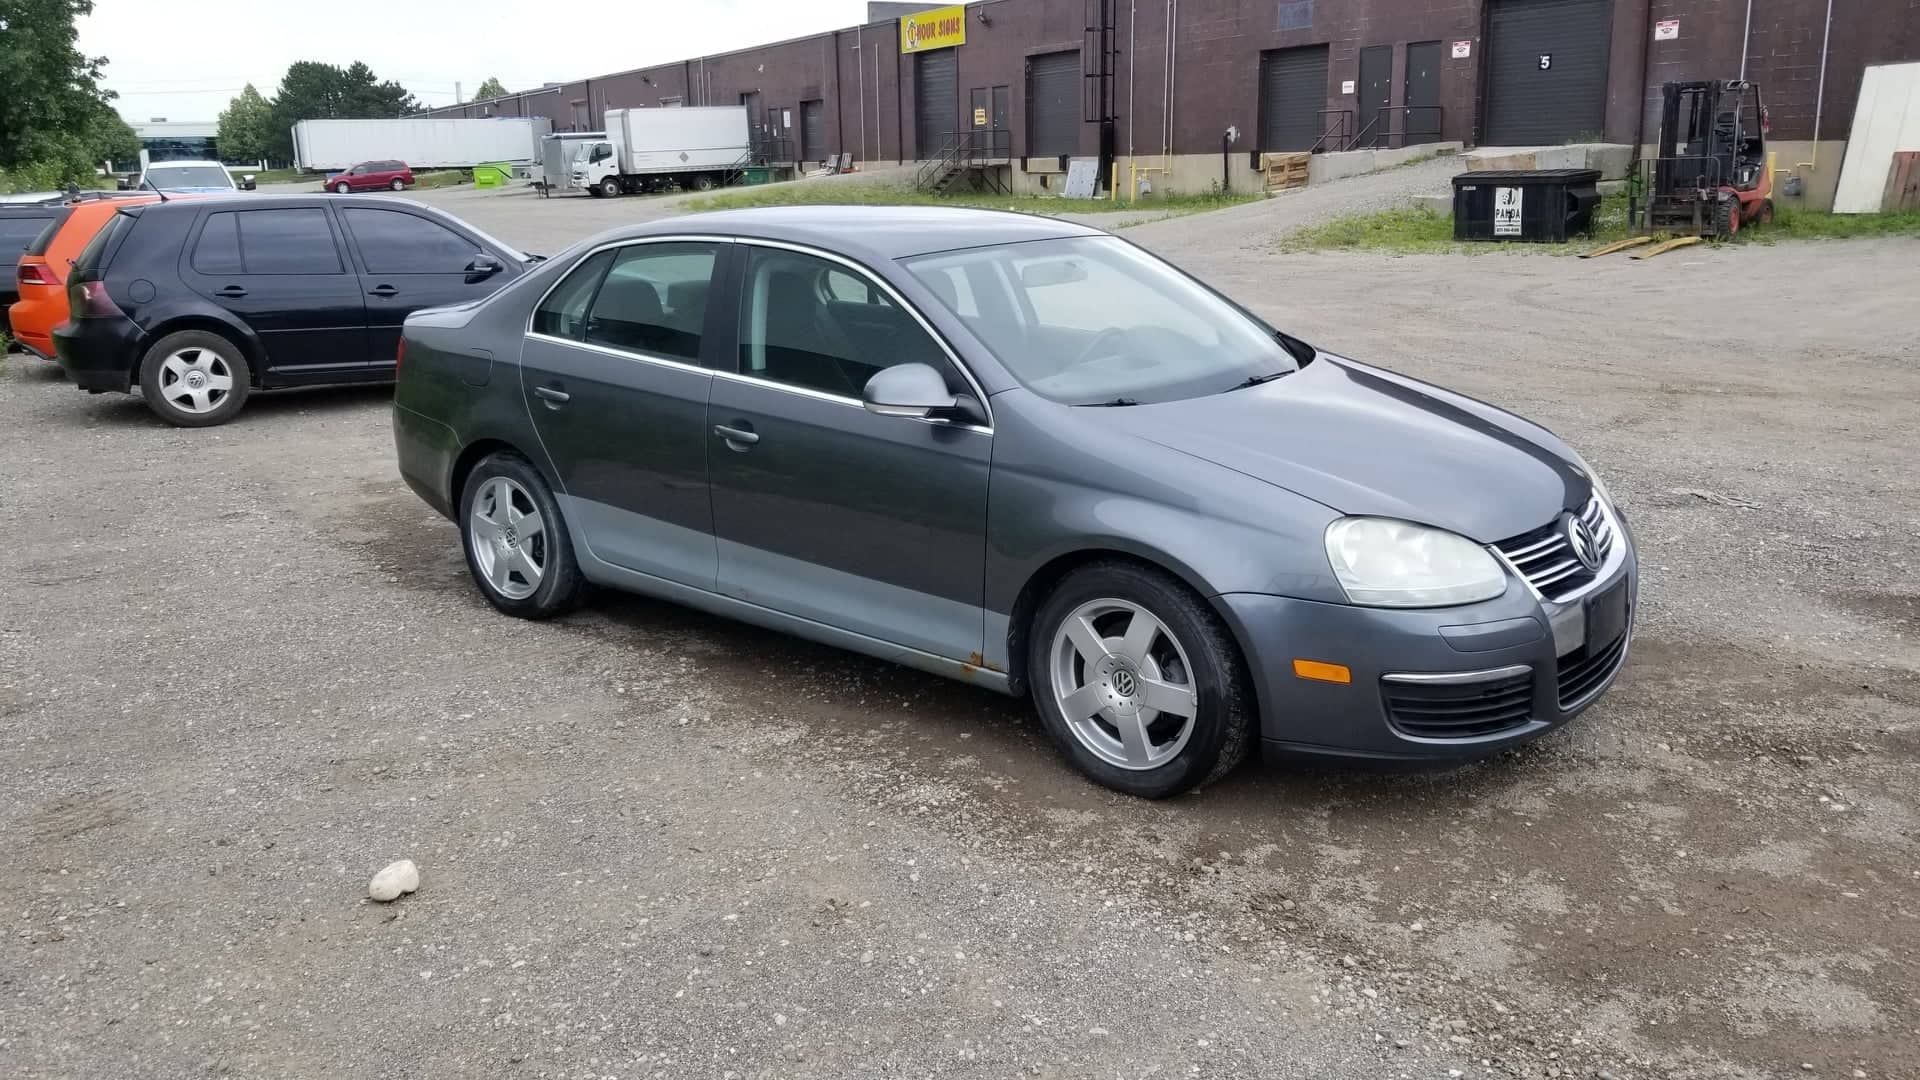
pixel 517 545
pixel 1182 657
pixel 1765 215
pixel 342 188
pixel 194 378
pixel 703 182
pixel 399 184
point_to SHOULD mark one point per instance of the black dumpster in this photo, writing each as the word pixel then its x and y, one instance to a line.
pixel 1541 206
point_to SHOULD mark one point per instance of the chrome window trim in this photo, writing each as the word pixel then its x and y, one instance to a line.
pixel 624 354
pixel 1458 678
pixel 676 238
pixel 752 380
pixel 886 287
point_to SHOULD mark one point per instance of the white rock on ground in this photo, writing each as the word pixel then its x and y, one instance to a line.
pixel 398 878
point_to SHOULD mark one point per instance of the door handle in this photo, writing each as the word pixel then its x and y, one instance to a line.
pixel 736 435
pixel 232 292
pixel 558 397
pixel 383 290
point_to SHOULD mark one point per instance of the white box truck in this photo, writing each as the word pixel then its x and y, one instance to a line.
pixel 651 149
pixel 422 142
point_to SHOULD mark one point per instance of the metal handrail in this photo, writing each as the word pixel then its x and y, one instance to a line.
pixel 964 149
pixel 1341 132
pixel 1384 116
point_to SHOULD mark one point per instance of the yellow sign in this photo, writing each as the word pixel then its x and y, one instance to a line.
pixel 939 28
pixel 979 118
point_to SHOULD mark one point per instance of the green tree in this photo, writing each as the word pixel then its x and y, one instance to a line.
pixel 492 88
pixel 54 115
pixel 110 138
pixel 246 127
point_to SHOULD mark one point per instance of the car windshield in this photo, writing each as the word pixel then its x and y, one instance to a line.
pixel 1094 320
pixel 184 177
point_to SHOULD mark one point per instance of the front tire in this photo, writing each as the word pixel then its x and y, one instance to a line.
pixel 342 187
pixel 194 378
pixel 610 187
pixel 1726 219
pixel 1138 682
pixel 517 546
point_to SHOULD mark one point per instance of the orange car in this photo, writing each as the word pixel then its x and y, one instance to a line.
pixel 44 266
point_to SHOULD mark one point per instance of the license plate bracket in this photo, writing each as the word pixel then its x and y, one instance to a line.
pixel 1607 616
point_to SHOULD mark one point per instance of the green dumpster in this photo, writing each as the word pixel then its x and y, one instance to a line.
pixel 758 174
pixel 492 174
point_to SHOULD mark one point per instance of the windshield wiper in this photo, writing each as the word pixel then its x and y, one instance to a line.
pixel 1116 403
pixel 1256 380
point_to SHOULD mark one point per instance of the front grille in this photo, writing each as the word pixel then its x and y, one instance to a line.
pixel 1459 710
pixel 1545 557
pixel 1586 669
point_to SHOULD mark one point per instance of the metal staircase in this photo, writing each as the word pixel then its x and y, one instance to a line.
pixel 972 158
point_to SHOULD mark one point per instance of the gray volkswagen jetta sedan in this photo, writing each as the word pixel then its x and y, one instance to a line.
pixel 1031 456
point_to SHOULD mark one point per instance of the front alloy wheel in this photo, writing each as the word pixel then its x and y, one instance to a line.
pixel 1122 682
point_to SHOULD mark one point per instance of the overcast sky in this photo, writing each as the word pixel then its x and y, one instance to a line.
pixel 184 59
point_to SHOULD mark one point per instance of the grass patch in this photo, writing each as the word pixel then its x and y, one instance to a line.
pixel 876 194
pixel 1793 224
pixel 440 178
pixel 1416 231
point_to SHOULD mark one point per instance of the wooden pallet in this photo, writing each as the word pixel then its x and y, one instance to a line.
pixel 1284 171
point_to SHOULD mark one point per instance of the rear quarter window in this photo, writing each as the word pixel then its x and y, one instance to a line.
pixel 17 231
pixel 44 239
pixel 100 250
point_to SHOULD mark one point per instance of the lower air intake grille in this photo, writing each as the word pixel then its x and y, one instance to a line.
pixel 1459 710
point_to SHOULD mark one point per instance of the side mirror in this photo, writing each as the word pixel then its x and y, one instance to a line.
pixel 247 183
pixel 914 391
pixel 482 267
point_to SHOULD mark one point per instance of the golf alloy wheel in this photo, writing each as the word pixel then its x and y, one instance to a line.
pixel 509 538
pixel 1123 683
pixel 195 380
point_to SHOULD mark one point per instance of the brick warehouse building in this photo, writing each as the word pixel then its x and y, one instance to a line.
pixel 1171 77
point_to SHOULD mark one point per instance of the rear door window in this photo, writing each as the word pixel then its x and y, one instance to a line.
pixel 218 249
pixel 564 312
pixel 396 242
pixel 290 241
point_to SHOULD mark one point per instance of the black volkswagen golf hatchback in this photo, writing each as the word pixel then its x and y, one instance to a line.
pixel 192 303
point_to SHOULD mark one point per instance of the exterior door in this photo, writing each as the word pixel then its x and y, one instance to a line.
pixel 282 272
pixel 614 380
pixel 1421 95
pixel 822 510
pixel 813 131
pixel 936 96
pixel 757 132
pixel 408 261
pixel 1376 95
pixel 1293 91
pixel 1053 104
pixel 1002 129
pixel 1546 71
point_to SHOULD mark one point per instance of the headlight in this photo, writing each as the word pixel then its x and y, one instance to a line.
pixel 1386 563
pixel 1599 485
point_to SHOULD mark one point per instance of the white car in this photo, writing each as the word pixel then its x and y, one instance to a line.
pixel 190 178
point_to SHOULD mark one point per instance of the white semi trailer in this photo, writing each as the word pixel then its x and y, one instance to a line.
pixel 651 149
pixel 422 142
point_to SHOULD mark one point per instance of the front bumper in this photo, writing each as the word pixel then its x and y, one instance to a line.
pixel 99 354
pixel 1526 663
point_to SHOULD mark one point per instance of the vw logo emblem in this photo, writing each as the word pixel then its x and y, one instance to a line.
pixel 1584 546
pixel 1124 683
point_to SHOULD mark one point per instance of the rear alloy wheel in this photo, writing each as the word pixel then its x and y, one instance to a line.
pixel 516 541
pixel 342 187
pixel 1139 682
pixel 194 379
pixel 399 184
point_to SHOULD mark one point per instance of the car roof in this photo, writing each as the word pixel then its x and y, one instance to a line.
pixel 879 233
pixel 247 200
pixel 181 162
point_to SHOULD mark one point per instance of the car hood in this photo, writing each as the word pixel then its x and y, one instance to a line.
pixel 1366 441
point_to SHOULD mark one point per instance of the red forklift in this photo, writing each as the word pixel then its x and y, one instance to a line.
pixel 1711 177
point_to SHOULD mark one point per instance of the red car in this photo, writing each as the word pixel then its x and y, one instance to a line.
pixel 371 175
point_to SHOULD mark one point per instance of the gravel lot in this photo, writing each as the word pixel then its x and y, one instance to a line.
pixel 242 669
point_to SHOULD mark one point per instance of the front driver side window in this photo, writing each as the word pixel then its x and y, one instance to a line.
pixel 812 323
